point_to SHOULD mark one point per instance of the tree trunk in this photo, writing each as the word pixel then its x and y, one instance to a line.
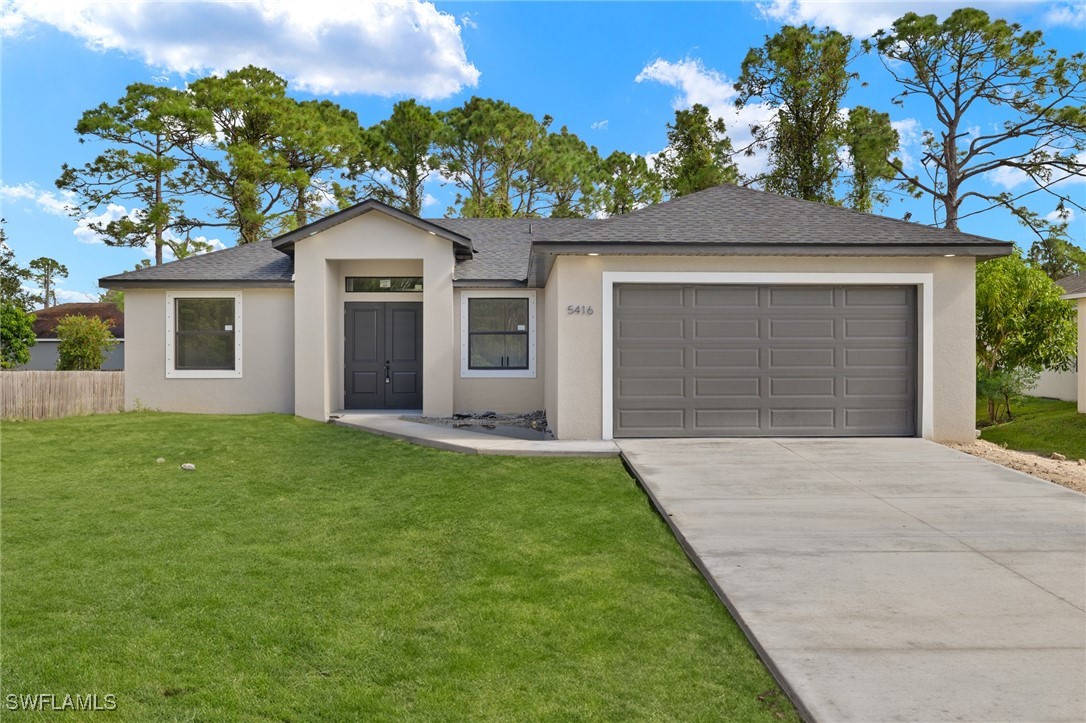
pixel 158 203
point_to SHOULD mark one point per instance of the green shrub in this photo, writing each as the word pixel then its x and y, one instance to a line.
pixel 84 342
pixel 16 335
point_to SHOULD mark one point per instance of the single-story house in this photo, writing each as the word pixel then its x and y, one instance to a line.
pixel 43 355
pixel 1069 386
pixel 727 312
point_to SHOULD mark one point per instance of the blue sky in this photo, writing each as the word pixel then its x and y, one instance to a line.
pixel 613 72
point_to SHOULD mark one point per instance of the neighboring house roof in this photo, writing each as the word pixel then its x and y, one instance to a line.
pixel 46 320
pixel 722 220
pixel 1075 286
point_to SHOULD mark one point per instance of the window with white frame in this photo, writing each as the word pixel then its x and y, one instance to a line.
pixel 497 334
pixel 203 334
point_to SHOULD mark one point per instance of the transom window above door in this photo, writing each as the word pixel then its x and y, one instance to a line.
pixel 383 284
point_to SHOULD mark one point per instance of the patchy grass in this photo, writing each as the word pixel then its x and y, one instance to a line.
pixel 1040 425
pixel 310 572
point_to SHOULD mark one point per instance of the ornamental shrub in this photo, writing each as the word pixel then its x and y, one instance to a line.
pixel 16 335
pixel 84 342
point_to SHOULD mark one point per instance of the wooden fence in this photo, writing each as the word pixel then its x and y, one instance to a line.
pixel 48 395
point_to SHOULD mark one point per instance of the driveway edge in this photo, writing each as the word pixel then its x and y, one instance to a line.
pixel 763 655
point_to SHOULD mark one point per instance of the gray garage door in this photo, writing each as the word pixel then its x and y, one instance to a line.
pixel 728 361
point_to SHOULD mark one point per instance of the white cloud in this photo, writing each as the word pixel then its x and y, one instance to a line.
pixel 600 125
pixel 67 296
pixel 862 18
pixel 1007 178
pixel 395 47
pixel 1011 178
pixel 167 252
pixel 56 204
pixel 910 141
pixel 1071 14
pixel 63 296
pixel 428 200
pixel 1066 215
pixel 468 22
pixel 113 212
pixel 712 89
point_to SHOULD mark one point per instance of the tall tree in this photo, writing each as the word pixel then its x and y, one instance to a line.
pixel 266 159
pixel 489 150
pixel 870 140
pixel 141 167
pixel 397 156
pixel 628 184
pixel 969 67
pixel 699 153
pixel 569 171
pixel 12 275
pixel 1056 255
pixel 317 141
pixel 802 73
pixel 45 271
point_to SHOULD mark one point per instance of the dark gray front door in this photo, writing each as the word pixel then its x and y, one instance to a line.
pixel 383 355
pixel 703 361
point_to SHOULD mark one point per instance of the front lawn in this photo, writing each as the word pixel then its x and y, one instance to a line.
pixel 1039 425
pixel 309 572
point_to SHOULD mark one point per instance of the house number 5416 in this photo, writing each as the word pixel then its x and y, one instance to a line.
pixel 580 310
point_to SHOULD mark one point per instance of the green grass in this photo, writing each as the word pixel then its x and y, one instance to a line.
pixel 310 572
pixel 1039 425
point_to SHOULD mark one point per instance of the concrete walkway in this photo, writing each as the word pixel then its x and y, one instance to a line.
pixel 887 579
pixel 390 424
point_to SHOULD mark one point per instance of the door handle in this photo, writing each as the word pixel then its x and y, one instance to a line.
pixel 388 377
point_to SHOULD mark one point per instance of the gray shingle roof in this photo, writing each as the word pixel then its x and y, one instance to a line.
pixel 255 263
pixel 734 215
pixel 503 246
pixel 717 219
pixel 1074 284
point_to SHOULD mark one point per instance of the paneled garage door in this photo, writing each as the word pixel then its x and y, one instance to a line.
pixel 715 360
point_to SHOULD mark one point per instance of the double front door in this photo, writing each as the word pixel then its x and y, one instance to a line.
pixel 382 355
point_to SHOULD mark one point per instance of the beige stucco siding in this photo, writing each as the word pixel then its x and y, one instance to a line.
pixel 574 394
pixel 497 394
pixel 370 244
pixel 267 381
pixel 1081 355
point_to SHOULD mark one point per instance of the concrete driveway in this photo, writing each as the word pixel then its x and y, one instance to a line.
pixel 887 579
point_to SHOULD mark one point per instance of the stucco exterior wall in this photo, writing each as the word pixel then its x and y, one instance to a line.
pixel 1056 385
pixel 382 245
pixel 1081 355
pixel 574 394
pixel 497 394
pixel 267 381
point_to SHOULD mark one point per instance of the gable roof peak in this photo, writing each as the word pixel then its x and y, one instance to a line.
pixel 285 242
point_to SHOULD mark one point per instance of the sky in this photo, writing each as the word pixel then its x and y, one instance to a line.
pixel 614 73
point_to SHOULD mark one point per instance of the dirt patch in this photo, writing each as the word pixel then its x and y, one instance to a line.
pixel 1068 473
